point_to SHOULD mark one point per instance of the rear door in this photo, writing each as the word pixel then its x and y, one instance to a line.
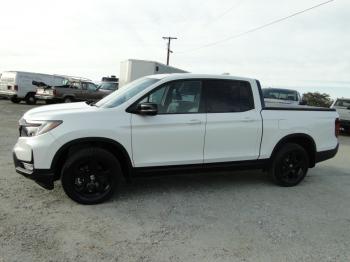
pixel 234 127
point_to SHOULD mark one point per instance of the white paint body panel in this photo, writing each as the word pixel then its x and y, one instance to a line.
pixel 173 139
pixel 176 139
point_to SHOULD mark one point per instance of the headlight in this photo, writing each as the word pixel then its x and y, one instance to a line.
pixel 35 128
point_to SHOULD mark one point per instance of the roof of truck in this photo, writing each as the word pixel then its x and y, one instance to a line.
pixel 176 76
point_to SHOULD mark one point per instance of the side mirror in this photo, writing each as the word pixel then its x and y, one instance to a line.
pixel 303 103
pixel 150 109
pixel 348 107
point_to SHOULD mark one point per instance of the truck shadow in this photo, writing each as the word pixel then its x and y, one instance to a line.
pixel 193 183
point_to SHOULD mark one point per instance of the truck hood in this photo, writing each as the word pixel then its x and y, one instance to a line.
pixel 56 112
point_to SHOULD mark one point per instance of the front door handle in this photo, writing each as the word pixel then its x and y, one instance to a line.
pixel 194 122
pixel 248 119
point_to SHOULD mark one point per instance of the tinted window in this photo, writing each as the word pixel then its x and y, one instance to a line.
pixel 282 94
pixel 108 86
pixel 91 87
pixel 228 96
pixel 342 102
pixel 178 97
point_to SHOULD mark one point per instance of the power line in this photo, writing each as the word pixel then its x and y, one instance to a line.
pixel 256 28
pixel 235 6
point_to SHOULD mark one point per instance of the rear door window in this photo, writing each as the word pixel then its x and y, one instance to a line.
pixel 224 96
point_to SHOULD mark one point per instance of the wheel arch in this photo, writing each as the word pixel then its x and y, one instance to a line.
pixel 111 145
pixel 304 140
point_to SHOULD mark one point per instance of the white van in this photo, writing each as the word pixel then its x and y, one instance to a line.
pixel 18 86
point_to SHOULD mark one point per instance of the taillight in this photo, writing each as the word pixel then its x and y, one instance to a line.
pixel 15 87
pixel 337 127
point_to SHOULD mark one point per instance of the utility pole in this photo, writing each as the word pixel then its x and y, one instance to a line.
pixel 169 38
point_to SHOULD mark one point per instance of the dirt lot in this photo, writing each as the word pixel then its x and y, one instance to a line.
pixel 237 216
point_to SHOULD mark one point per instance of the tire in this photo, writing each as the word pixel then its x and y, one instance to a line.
pixel 290 165
pixel 15 100
pixel 90 176
pixel 30 99
pixel 68 99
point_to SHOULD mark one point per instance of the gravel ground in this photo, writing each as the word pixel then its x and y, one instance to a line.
pixel 239 216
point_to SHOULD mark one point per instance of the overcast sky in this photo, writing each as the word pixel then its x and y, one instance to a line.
pixel 88 38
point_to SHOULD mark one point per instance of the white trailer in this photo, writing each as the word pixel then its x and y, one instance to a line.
pixel 133 69
pixel 17 85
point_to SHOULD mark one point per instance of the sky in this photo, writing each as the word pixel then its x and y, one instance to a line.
pixel 309 52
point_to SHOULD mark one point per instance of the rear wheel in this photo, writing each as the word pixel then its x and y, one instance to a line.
pixel 30 99
pixel 290 165
pixel 90 175
pixel 15 100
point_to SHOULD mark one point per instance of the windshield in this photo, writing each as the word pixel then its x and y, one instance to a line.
pixel 343 102
pixel 128 91
pixel 281 94
pixel 108 86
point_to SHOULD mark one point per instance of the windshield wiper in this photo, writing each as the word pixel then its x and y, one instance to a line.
pixel 91 103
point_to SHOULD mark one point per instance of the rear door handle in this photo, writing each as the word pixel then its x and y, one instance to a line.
pixel 194 122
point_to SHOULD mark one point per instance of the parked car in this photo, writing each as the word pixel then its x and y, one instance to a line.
pixel 18 86
pixel 171 123
pixel 282 96
pixel 108 87
pixel 342 105
pixel 73 90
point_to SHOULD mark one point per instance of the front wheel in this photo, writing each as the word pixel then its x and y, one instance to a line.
pixel 90 175
pixel 290 165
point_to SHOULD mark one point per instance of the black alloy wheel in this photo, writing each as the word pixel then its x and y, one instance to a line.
pixel 90 175
pixel 290 165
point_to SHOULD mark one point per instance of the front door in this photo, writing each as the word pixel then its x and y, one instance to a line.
pixel 175 136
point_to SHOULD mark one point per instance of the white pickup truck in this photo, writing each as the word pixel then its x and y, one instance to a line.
pixel 177 122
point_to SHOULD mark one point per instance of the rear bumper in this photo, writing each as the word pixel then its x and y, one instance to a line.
pixel 8 94
pixel 43 177
pixel 324 155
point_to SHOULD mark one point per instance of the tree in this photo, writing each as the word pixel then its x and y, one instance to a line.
pixel 317 99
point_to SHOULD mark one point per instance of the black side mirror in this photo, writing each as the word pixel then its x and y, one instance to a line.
pixel 150 109
pixel 303 103
pixel 348 107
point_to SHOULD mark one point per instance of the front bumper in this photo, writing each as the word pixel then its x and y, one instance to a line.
pixel 45 97
pixel 43 177
pixel 8 94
